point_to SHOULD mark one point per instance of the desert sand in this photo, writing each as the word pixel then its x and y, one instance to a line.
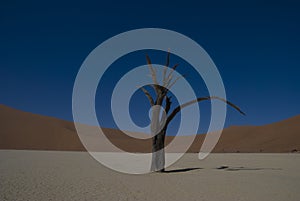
pixel 24 130
pixel 56 175
pixel 42 158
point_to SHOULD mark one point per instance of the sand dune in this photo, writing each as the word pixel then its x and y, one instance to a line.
pixel 23 130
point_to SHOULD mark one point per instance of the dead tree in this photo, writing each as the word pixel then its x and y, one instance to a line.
pixel 159 125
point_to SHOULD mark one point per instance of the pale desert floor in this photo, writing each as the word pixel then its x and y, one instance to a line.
pixel 54 175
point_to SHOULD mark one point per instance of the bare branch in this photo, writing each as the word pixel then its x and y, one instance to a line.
pixel 177 109
pixel 159 99
pixel 174 82
pixel 159 90
pixel 168 104
pixel 152 70
pixel 148 96
pixel 168 79
pixel 167 65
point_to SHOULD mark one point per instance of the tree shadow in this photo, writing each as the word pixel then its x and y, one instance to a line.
pixel 181 170
pixel 227 168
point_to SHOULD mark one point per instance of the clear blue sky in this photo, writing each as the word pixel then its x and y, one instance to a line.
pixel 254 44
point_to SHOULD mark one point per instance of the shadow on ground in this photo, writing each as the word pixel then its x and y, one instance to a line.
pixel 227 168
pixel 181 170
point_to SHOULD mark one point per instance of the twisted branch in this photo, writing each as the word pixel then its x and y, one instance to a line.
pixel 148 96
pixel 177 109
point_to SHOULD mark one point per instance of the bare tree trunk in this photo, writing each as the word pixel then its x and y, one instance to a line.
pixel 158 130
pixel 158 152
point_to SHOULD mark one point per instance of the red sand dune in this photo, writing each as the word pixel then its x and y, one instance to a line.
pixel 23 130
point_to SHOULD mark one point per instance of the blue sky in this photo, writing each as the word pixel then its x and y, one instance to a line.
pixel 254 44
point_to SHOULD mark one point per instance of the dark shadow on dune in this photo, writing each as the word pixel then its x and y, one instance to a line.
pixel 227 168
pixel 181 170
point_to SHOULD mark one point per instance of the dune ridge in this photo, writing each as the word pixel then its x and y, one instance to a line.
pixel 27 131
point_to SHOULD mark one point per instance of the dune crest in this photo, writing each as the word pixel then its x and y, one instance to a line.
pixel 24 130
